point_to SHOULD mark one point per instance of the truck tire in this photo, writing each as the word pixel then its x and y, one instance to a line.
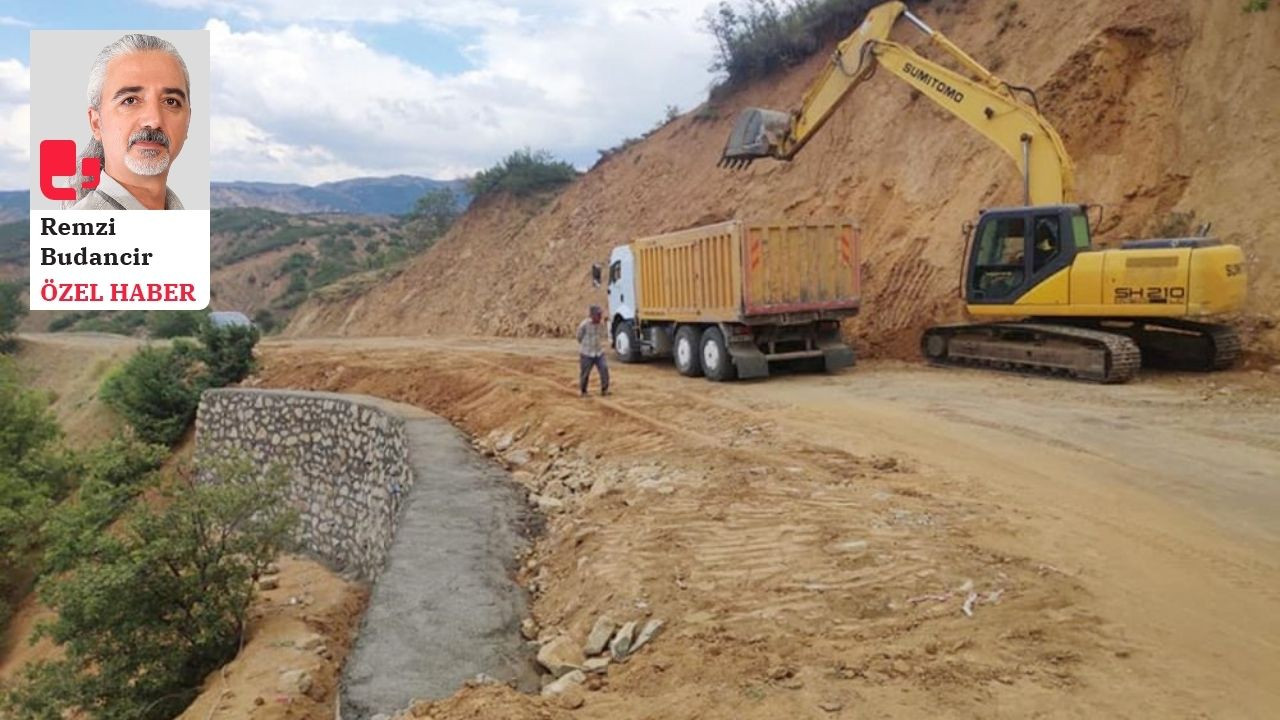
pixel 625 343
pixel 686 351
pixel 717 365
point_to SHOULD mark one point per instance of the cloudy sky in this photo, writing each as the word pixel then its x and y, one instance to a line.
pixel 316 90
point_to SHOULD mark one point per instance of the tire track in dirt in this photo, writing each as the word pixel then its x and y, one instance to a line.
pixel 759 548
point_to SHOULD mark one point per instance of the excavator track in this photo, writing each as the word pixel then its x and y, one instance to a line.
pixel 1035 348
pixel 1226 345
pixel 1175 344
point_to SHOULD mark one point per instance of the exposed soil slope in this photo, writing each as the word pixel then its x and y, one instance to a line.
pixel 1166 107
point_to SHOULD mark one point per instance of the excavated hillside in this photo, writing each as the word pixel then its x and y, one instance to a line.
pixel 1168 109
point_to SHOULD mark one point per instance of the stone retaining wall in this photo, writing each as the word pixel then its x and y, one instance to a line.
pixel 346 456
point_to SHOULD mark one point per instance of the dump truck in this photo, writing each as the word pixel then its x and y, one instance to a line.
pixel 726 300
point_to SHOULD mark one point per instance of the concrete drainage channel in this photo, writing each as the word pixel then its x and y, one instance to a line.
pixel 397 496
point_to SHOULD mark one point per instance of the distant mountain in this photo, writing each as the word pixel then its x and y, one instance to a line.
pixel 393 195
pixel 14 205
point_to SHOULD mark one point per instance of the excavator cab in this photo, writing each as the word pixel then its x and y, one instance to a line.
pixel 1015 249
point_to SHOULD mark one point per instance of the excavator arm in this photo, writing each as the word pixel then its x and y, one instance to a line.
pixel 985 102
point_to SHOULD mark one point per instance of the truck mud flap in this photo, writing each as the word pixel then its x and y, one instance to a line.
pixel 835 353
pixel 751 363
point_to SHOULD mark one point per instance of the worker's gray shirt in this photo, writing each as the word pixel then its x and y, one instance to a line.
pixel 591 338
pixel 109 188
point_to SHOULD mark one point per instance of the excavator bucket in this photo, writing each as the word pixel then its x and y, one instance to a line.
pixel 758 133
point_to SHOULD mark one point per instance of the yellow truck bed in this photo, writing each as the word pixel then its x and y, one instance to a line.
pixel 739 272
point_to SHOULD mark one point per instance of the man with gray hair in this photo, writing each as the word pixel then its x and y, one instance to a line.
pixel 139 113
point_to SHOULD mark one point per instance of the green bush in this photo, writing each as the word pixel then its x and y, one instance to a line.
pixel 123 460
pixel 174 323
pixel 252 243
pixel 435 212
pixel 28 425
pixel 1251 6
pixel 64 322
pixel 35 472
pixel 227 352
pixel 15 238
pixel 265 320
pixel 329 270
pixel 760 37
pixel 523 172
pixel 145 614
pixel 290 300
pixel 297 283
pixel 337 248
pixel 296 262
pixel 126 322
pixel 237 219
pixel 114 473
pixel 12 310
pixel 156 391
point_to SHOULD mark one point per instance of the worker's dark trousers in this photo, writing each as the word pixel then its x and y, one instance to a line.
pixel 585 363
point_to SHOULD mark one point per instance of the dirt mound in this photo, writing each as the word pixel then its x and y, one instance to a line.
pixel 1167 108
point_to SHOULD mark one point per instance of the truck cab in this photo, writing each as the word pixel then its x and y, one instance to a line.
pixel 621 287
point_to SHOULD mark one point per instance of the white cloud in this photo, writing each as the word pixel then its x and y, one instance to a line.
pixel 15 123
pixel 570 77
pixel 15 80
pixel 247 151
pixel 299 96
pixel 445 13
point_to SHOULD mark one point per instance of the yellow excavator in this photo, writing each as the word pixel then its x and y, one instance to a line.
pixel 1089 314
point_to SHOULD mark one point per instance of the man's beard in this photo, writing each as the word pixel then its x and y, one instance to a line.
pixel 152 162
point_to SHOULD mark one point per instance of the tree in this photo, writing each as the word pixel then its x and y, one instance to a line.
pixel 174 323
pixel 144 614
pixel 156 391
pixel 436 211
pixel 114 473
pixel 757 37
pixel 35 472
pixel 28 425
pixel 523 172
pixel 227 352
pixel 12 310
pixel 265 320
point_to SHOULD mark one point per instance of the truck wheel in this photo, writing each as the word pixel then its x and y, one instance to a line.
pixel 686 352
pixel 716 363
pixel 625 343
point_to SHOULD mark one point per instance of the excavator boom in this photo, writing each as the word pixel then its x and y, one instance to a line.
pixel 984 102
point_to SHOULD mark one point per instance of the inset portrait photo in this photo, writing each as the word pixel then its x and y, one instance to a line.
pixel 120 120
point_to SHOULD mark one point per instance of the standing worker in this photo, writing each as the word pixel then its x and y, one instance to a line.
pixel 591 337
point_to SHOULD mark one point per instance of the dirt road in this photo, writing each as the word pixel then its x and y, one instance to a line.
pixel 894 541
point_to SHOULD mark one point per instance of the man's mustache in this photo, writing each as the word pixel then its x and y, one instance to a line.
pixel 150 135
